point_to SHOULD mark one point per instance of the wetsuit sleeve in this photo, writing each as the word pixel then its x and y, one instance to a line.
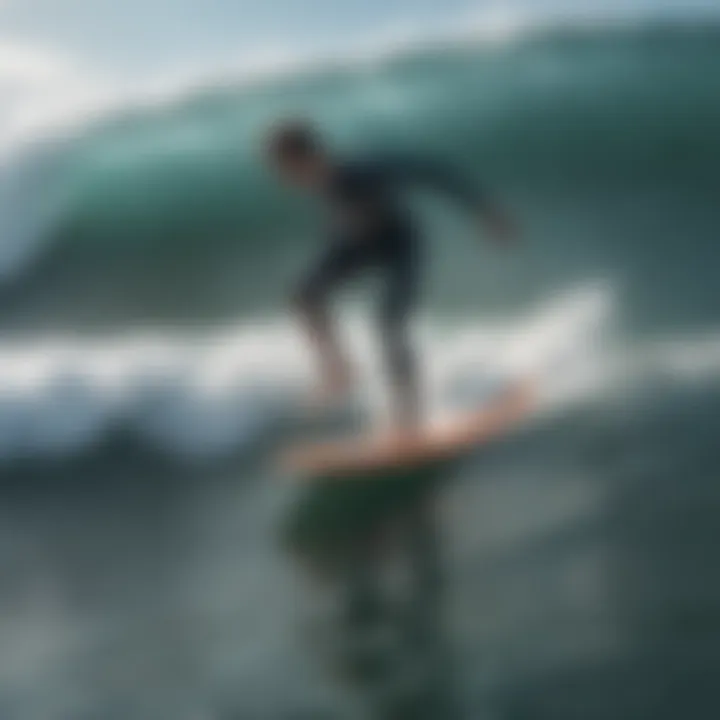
pixel 436 176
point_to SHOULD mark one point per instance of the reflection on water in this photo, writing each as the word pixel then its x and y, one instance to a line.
pixel 373 545
pixel 568 574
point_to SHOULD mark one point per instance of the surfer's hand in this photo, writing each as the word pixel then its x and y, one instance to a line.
pixel 500 225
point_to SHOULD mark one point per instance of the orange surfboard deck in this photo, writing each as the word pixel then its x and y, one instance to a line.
pixel 437 443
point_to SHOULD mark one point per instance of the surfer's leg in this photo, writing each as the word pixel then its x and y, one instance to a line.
pixel 396 311
pixel 339 262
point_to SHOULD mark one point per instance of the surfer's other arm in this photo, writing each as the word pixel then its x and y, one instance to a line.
pixel 442 177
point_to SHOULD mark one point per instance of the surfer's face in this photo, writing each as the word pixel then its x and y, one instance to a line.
pixel 296 153
pixel 305 172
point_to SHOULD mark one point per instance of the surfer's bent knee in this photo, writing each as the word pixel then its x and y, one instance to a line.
pixel 307 303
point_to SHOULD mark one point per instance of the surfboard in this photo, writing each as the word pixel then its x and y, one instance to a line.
pixel 383 453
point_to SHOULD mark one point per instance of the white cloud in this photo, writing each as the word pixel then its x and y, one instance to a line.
pixel 40 87
pixel 28 64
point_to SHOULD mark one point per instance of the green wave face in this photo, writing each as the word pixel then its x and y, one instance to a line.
pixel 174 201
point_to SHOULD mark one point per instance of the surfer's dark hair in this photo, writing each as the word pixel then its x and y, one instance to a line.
pixel 293 140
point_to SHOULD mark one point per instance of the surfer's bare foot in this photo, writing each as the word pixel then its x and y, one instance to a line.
pixel 407 422
pixel 335 388
pixel 406 433
pixel 327 395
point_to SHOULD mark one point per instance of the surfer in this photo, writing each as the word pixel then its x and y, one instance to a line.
pixel 370 230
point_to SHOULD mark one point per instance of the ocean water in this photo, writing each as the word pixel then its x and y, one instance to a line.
pixel 149 371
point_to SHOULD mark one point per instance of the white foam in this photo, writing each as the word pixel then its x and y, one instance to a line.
pixel 206 395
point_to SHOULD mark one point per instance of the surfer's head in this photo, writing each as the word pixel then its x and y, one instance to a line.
pixel 296 151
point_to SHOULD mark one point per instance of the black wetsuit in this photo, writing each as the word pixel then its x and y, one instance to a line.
pixel 373 230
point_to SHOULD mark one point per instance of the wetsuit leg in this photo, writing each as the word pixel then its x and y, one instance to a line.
pixel 397 306
pixel 340 262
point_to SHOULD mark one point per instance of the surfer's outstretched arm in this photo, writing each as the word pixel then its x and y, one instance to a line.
pixel 449 181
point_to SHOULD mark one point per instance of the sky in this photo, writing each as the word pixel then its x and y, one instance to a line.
pixel 134 37
pixel 58 56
